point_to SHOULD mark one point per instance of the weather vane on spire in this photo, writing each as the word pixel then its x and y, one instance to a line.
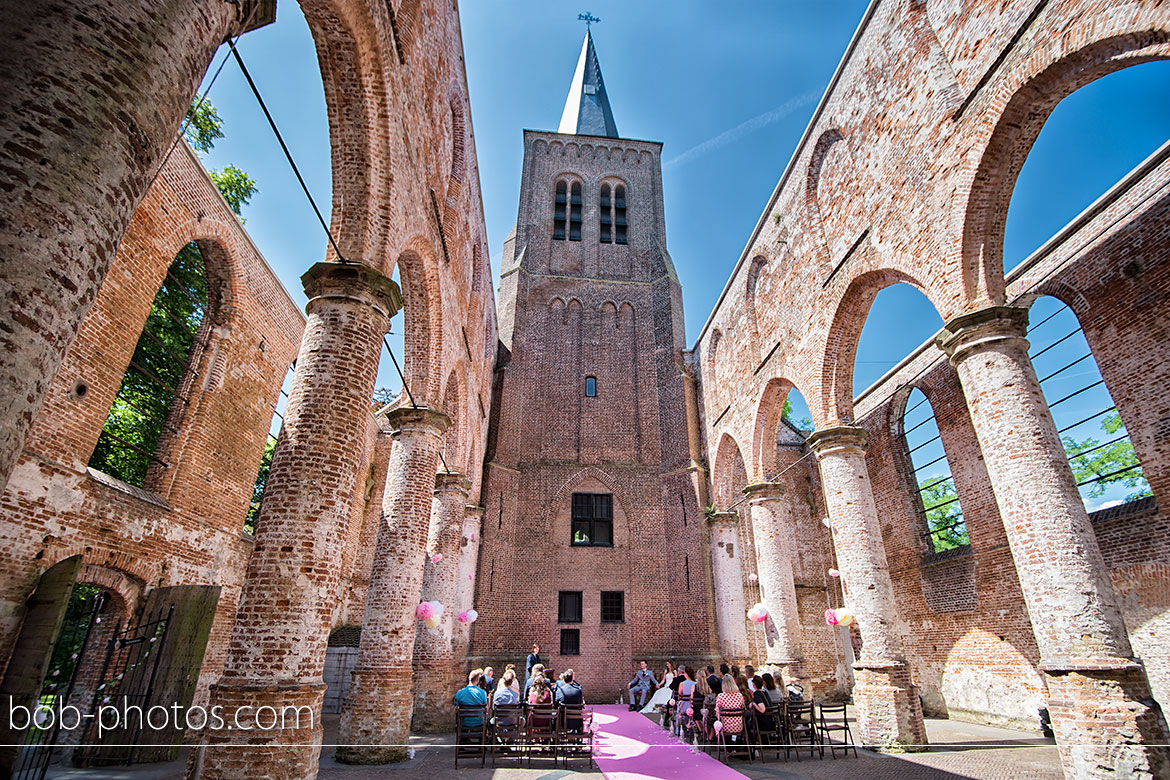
pixel 588 18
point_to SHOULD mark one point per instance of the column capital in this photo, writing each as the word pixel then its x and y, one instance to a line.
pixel 765 491
pixel 840 437
pixel 968 332
pixel 352 281
pixel 452 482
pixel 417 419
pixel 729 519
pixel 474 511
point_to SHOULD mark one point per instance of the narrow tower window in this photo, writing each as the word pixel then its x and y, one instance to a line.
pixel 559 211
pixel 619 213
pixel 575 212
pixel 590 387
pixel 606 215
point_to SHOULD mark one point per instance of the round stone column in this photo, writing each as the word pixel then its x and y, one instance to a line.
pixel 888 709
pixel 775 535
pixel 1099 697
pixel 277 650
pixel 465 579
pixel 376 715
pixel 435 678
pixel 727 576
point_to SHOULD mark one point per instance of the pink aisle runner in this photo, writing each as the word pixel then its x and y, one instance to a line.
pixel 630 746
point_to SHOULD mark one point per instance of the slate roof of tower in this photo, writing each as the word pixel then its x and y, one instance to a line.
pixel 587 110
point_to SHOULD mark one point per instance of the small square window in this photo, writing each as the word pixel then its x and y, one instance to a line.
pixel 570 641
pixel 613 606
pixel 590 387
pixel 569 607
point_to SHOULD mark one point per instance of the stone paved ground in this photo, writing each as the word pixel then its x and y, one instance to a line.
pixel 960 751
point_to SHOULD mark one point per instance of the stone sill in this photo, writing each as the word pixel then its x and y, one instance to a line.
pixel 933 558
pixel 124 487
pixel 1142 506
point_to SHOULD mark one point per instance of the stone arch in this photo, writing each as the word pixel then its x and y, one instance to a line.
pixel 455 438
pixel 840 342
pixel 625 317
pixel 561 496
pixel 423 332
pixel 457 171
pixel 947 93
pixel 829 139
pixel 766 428
pixel 755 270
pixel 729 476
pixel 408 21
pixel 1028 102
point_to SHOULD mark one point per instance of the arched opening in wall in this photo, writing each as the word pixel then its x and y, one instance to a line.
pixel 454 406
pixel 730 476
pixel 388 386
pixel 1104 464
pixel 783 423
pixel 1108 127
pixel 900 320
pixel 151 400
pixel 930 475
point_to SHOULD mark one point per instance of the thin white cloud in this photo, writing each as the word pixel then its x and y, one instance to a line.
pixel 744 128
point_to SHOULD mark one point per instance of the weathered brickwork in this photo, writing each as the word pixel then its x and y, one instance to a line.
pixel 1043 594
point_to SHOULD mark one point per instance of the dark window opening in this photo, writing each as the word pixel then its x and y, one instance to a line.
pixel 145 407
pixel 606 216
pixel 575 212
pixel 569 606
pixel 559 204
pixel 613 606
pixel 570 641
pixel 619 213
pixel 590 387
pixel 592 524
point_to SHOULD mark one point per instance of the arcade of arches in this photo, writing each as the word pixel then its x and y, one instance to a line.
pixel 1018 599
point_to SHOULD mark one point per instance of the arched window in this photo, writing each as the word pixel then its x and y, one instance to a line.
pixel 559 211
pixel 1099 451
pixel 619 214
pixel 575 212
pixel 274 427
pixel 938 500
pixel 605 215
pixel 144 408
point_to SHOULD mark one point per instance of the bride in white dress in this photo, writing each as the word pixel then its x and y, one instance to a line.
pixel 663 694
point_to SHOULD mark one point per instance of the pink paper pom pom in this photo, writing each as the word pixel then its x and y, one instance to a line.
pixel 463 617
pixel 758 613
pixel 752 577
pixel 718 726
pixel 424 611
pixel 690 712
pixel 471 576
pixel 436 557
pixel 831 617
pixel 834 573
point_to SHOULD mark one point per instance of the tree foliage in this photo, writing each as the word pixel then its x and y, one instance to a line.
pixel 236 187
pixel 202 129
pixel 259 485
pixel 140 410
pixel 944 518
pixel 1109 464
pixel 803 424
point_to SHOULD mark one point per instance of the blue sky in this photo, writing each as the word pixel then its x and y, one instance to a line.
pixel 728 93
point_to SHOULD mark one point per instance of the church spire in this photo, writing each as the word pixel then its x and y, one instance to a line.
pixel 587 110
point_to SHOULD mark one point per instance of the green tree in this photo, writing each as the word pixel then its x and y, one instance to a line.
pixel 1110 464
pixel 944 518
pixel 202 129
pixel 803 424
pixel 258 487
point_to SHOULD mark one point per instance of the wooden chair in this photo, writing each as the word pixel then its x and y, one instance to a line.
pixel 508 735
pixel 471 733
pixel 540 731
pixel 835 718
pixel 575 733
pixel 801 727
pixel 732 743
pixel 775 738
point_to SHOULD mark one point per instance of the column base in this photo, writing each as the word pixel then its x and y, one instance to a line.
pixel 375 718
pixel 1106 721
pixel 793 671
pixel 279 736
pixel 889 713
pixel 435 684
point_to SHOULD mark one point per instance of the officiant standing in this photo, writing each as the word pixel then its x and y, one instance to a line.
pixel 641 686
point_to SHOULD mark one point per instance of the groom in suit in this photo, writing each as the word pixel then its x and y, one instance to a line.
pixel 642 685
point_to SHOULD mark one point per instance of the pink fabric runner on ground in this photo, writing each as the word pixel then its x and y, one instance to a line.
pixel 630 746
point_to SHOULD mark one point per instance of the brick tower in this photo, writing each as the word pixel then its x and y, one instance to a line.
pixel 593 534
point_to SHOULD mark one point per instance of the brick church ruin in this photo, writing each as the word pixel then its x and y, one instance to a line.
pixel 561 460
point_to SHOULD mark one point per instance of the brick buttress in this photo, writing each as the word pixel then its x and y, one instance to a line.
pixel 888 709
pixel 727 576
pixel 1106 721
pixel 435 677
pixel 277 650
pixel 775 534
pixel 376 716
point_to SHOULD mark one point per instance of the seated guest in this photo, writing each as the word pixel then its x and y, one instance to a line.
pixel 539 693
pixel 506 693
pixel 730 700
pixel 682 696
pixel 515 684
pixel 472 696
pixel 773 687
pixel 703 704
pixel 749 672
pixel 714 681
pixel 488 681
pixel 570 693
pixel 761 703
pixel 535 673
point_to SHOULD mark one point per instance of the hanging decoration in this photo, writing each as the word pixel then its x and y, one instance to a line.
pixel 468 616
pixel 758 613
pixel 834 573
pixel 753 577
pixel 436 557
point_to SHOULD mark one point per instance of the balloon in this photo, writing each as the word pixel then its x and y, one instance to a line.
pixel 834 573
pixel 468 616
pixel 758 613
pixel 718 726
pixel 753 577
pixel 844 617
